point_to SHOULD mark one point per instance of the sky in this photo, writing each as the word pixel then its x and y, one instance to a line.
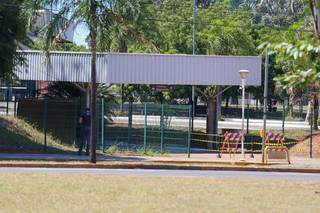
pixel 80 34
pixel 81 31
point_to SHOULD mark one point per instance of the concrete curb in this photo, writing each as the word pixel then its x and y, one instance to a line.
pixel 160 166
pixel 237 163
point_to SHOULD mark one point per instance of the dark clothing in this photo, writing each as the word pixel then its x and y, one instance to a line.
pixel 86 116
pixel 85 132
pixel 84 141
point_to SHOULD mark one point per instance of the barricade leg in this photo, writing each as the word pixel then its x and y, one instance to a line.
pixel 229 149
pixel 236 148
pixel 288 157
pixel 221 149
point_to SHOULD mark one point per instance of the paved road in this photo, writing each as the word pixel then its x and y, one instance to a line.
pixel 230 123
pixel 173 173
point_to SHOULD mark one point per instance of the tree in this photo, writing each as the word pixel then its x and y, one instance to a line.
pixel 272 13
pixel 302 65
pixel 229 35
pixel 298 56
pixel 13 27
pixel 141 33
pixel 315 11
pixel 220 31
pixel 99 16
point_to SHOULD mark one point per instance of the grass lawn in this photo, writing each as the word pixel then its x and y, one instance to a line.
pixel 104 193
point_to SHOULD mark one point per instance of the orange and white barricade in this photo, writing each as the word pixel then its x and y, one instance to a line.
pixel 233 138
pixel 274 150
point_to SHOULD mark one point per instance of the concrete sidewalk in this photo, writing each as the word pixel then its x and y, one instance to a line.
pixel 172 161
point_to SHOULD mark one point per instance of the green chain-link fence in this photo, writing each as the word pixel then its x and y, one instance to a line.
pixel 129 126
pixel 160 126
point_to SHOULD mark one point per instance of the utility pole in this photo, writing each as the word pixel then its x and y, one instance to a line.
pixel 93 36
pixel 265 100
pixel 195 10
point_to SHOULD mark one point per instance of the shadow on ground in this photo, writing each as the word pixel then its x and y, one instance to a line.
pixel 66 157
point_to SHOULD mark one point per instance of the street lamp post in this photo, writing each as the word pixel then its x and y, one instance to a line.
pixel 243 74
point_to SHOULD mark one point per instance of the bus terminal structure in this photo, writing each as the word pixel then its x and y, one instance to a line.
pixel 151 69
pixel 126 68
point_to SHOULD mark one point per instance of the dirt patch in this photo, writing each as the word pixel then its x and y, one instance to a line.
pixel 303 147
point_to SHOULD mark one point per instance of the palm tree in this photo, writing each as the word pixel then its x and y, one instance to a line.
pixel 315 11
pixel 99 16
pixel 13 31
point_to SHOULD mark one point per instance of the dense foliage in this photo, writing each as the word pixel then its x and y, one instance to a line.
pixel 223 27
pixel 13 26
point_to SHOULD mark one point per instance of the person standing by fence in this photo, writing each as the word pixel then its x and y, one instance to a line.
pixel 84 121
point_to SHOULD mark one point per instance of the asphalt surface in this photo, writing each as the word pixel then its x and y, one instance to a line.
pixel 172 173
pixel 228 123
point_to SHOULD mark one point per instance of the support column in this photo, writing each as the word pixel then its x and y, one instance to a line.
pixel 189 132
pixel 162 129
pixel 130 122
pixel 45 121
pixel 102 124
pixel 311 132
pixel 145 129
pixel 283 116
pixel 265 98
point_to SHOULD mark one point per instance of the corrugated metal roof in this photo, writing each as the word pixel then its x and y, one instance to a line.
pixel 140 68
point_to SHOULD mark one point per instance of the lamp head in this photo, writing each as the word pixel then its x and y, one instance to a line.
pixel 244 73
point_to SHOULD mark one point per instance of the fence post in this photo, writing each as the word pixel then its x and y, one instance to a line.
pixel 283 117
pixel 45 118
pixel 300 109
pixel 75 122
pixel 145 129
pixel 15 107
pixel 102 124
pixel 130 122
pixel 311 129
pixel 7 100
pixel 161 128
pixel 248 115
pixel 189 131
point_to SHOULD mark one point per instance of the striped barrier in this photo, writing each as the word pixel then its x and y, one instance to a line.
pixel 275 150
pixel 231 137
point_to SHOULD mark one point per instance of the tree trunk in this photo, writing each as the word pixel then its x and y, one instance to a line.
pixel 195 104
pixel 93 36
pixel 315 10
pixel 308 111
pixel 227 102
pixel 88 96
pixel 212 121
pixel 290 107
pixel 315 112
pixel 219 102
pixel 123 47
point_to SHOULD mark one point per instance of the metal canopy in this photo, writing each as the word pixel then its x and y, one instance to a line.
pixel 140 68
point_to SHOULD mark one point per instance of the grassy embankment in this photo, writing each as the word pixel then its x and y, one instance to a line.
pixel 18 136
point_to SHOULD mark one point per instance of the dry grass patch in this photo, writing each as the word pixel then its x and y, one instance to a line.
pixel 103 193
pixel 303 147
